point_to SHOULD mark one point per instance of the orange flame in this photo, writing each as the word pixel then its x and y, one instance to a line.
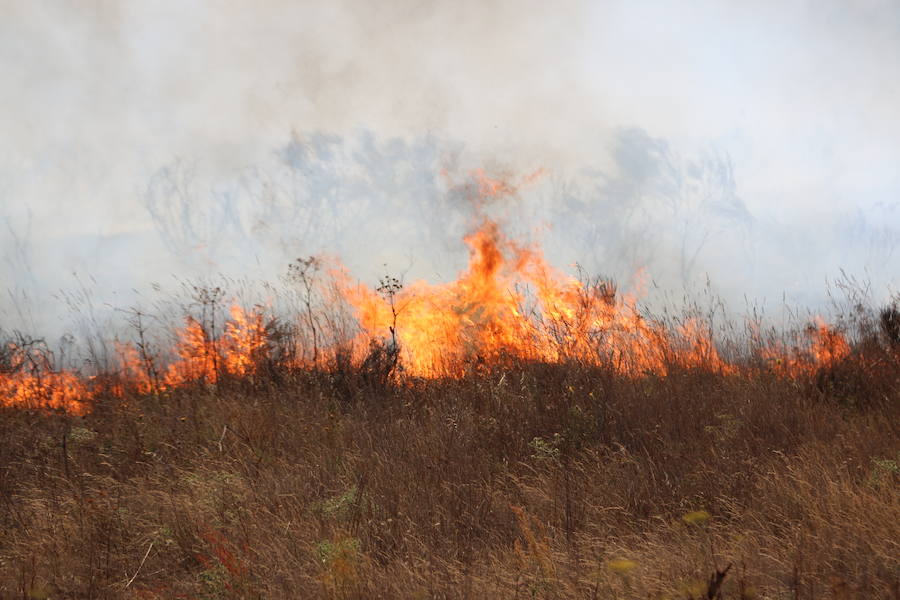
pixel 202 358
pixel 245 341
pixel 510 303
pixel 825 348
pixel 198 358
pixel 28 381
pixel 136 370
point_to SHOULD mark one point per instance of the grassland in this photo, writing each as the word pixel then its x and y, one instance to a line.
pixel 517 481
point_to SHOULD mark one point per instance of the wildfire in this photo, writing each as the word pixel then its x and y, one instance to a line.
pixel 245 341
pixel 509 303
pixel 199 356
pixel 28 381
pixel 825 347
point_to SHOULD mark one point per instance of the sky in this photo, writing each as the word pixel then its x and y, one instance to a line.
pixel 756 143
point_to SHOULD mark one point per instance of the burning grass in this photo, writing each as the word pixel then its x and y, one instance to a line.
pixel 515 433
pixel 508 305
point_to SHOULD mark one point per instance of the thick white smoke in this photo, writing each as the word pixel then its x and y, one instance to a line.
pixel 755 144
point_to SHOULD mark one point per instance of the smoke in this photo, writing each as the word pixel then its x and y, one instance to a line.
pixel 756 145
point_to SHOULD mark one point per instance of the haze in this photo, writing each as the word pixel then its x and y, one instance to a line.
pixel 754 143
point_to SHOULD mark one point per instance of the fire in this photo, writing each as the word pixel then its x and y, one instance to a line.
pixel 438 326
pixel 27 380
pixel 55 391
pixel 245 341
pixel 825 348
pixel 137 371
pixel 198 358
pixel 510 303
pixel 202 358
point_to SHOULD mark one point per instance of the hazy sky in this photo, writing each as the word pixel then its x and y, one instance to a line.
pixel 99 95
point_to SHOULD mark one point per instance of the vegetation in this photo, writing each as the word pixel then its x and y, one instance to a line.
pixel 519 479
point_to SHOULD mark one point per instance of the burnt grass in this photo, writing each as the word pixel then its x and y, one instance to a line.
pixel 528 481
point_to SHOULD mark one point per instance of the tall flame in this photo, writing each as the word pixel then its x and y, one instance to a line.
pixel 205 359
pixel 509 303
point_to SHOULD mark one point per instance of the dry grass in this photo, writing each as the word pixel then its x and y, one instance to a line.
pixel 532 481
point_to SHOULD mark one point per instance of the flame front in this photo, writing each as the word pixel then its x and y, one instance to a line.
pixel 28 381
pixel 510 303
pixel 825 348
pixel 200 357
pixel 439 326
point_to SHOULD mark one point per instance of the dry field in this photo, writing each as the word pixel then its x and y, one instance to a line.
pixel 464 440
pixel 515 480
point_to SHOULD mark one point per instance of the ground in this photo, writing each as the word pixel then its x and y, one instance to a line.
pixel 526 481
